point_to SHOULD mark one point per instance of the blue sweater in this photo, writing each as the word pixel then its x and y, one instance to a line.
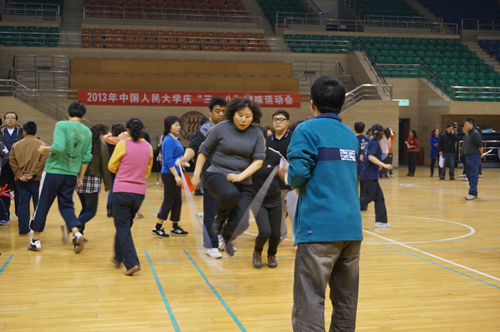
pixel 322 164
pixel 171 151
pixel 434 149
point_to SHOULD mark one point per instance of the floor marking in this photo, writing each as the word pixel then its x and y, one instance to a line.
pixel 150 205
pixel 434 256
pixel 233 316
pixel 6 263
pixel 415 200
pixel 164 297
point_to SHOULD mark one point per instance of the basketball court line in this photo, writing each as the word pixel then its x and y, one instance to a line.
pixel 6 263
pixel 415 200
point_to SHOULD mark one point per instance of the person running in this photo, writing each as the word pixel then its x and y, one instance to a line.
pixel 237 150
pixel 171 176
pixel 412 145
pixel 132 161
pixel 217 110
pixel 69 157
pixel 268 218
pixel 96 172
pixel 434 153
pixel 373 191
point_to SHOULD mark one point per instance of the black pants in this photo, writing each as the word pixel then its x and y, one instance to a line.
pixel 7 177
pixel 209 212
pixel 125 207
pixel 361 190
pixel 234 200
pixel 27 191
pixel 433 163
pixel 412 162
pixel 390 158
pixel 374 193
pixel 384 171
pixel 269 223
pixel 172 198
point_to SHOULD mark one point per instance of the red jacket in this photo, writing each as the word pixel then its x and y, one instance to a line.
pixel 412 142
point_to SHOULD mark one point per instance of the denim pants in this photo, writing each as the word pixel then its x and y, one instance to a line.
pixel 89 208
pixel 209 212
pixel 27 191
pixel 473 161
pixel 125 207
pixel 110 194
pixel 320 264
pixel 448 160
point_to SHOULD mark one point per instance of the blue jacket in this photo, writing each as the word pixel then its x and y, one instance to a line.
pixel 322 164
pixel 171 150
pixel 434 149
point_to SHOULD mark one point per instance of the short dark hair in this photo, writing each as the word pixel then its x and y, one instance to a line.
pixel 5 115
pixel 359 127
pixel 282 112
pixel 238 104
pixel 448 126
pixel 168 122
pixel 216 101
pixel 136 128
pixel 387 132
pixel 469 120
pixel 377 131
pixel 328 94
pixel 76 109
pixel 118 128
pixel 30 127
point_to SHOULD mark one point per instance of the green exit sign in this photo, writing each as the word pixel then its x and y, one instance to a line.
pixel 403 102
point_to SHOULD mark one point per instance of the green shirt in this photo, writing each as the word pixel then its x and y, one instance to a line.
pixel 71 148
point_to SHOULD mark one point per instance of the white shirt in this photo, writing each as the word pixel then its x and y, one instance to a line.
pixel 11 131
pixel 385 144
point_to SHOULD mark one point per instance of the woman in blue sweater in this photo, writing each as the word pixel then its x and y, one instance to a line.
pixel 171 177
pixel 434 150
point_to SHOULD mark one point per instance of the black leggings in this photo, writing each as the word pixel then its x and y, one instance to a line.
pixel 172 198
pixel 269 223
pixel 433 163
pixel 234 200
pixel 412 162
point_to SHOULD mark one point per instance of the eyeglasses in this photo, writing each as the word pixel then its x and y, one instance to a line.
pixel 279 120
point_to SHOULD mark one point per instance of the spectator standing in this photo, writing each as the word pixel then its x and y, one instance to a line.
pixel 412 145
pixel 359 127
pixel 392 136
pixel 447 149
pixel 473 155
pixel 27 165
pixel 10 133
pixel 434 153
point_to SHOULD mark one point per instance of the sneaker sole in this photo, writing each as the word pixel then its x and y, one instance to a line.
pixel 78 249
pixel 173 234
pixel 218 257
pixel 32 248
pixel 160 236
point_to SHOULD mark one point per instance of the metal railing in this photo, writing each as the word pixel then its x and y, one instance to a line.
pixel 304 82
pixel 373 67
pixel 399 19
pixel 320 46
pixel 56 62
pixel 45 14
pixel 366 92
pixel 475 24
pixel 171 14
pixel 328 23
pixel 487 145
pixel 33 6
pixel 305 67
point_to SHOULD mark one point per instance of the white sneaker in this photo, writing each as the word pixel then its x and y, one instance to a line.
pixel 214 253
pixel 382 225
pixel 465 179
pixel 470 197
pixel 463 175
pixel 480 176
pixel 78 242
pixel 34 245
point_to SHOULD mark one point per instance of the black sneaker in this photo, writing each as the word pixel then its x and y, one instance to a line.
pixel 159 232
pixel 177 231
pixel 441 178
pixel 452 179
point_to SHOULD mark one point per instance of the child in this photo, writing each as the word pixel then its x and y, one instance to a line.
pixel 369 177
pixel 69 156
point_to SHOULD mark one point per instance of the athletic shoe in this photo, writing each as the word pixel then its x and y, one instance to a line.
pixel 78 241
pixel 392 175
pixel 452 179
pixel 463 175
pixel 271 261
pixel 408 174
pixel 441 178
pixel 177 231
pixel 85 240
pixel 412 175
pixel 132 270
pixel 257 259
pixel 159 232
pixel 116 263
pixel 200 217
pixel 4 222
pixel 382 225
pixel 432 175
pixel 65 233
pixel 222 245
pixel 109 208
pixel 480 176
pixel 465 179
pixel 34 245
pixel 214 253
pixel 470 197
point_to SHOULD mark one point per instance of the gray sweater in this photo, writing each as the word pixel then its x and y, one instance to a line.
pixel 472 142
pixel 233 150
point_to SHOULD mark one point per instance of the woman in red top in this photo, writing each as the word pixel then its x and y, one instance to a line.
pixel 412 145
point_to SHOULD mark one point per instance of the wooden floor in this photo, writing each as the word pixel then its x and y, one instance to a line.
pixel 436 269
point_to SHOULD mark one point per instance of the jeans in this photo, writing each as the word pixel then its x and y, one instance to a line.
pixel 448 160
pixel 7 177
pixel 319 264
pixel 412 162
pixel 52 186
pixel 89 208
pixel 172 198
pixel 473 161
pixel 209 212
pixel 288 206
pixel 268 221
pixel 110 194
pixel 125 207
pixel 373 192
pixel 27 191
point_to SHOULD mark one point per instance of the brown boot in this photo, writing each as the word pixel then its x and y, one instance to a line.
pixel 257 259
pixel 271 261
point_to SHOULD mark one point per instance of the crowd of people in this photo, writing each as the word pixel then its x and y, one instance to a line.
pixel 311 170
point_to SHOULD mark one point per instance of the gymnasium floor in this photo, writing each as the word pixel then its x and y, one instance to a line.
pixel 436 269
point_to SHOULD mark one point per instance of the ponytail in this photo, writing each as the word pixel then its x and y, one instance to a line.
pixel 136 128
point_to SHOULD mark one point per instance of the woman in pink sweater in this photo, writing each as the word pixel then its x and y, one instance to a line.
pixel 131 161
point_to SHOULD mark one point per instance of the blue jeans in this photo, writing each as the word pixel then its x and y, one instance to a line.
pixel 209 212
pixel 473 161
pixel 89 208
pixel 448 160
pixel 316 265
pixel 27 191
pixel 62 187
pixel 110 194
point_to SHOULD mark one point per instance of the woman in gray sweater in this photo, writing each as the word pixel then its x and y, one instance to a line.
pixel 237 150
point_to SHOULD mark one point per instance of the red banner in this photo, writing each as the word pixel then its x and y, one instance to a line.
pixel 182 98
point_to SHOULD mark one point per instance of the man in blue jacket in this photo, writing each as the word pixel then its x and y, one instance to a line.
pixel 322 168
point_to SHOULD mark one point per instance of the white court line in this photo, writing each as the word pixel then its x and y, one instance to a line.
pixel 434 256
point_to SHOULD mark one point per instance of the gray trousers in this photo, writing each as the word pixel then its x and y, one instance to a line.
pixel 316 265
pixel 288 205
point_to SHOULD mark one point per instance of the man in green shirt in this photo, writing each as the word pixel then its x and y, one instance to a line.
pixel 69 157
